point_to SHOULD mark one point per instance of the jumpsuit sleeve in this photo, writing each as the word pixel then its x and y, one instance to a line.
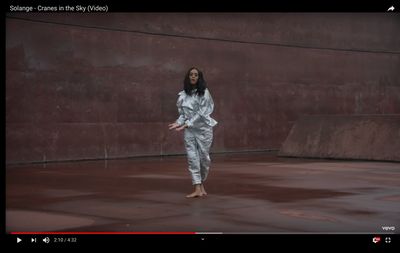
pixel 205 109
pixel 182 118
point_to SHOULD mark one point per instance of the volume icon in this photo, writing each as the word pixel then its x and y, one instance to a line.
pixel 46 240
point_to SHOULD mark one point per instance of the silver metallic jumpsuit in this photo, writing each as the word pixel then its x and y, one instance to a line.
pixel 194 111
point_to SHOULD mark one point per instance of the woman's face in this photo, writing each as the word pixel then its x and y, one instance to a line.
pixel 194 76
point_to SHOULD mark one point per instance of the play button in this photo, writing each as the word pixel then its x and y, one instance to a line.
pixel 18 240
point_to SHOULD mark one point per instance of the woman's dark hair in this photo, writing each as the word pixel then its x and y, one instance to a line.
pixel 201 84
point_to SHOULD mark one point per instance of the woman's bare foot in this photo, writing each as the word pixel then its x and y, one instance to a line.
pixel 203 190
pixel 195 195
pixel 197 192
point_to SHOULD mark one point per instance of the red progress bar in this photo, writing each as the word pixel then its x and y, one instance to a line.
pixel 104 233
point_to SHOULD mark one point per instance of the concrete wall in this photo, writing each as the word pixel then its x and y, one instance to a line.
pixel 88 86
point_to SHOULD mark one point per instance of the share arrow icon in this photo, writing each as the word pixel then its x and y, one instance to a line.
pixel 391 8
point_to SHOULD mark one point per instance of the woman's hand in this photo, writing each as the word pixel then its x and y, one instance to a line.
pixel 173 125
pixel 176 126
pixel 181 128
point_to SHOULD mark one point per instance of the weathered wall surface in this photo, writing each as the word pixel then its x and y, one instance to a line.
pixel 105 85
pixel 370 137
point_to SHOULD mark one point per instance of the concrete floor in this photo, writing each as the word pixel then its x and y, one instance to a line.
pixel 253 192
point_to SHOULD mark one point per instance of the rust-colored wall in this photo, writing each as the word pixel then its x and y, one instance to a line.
pixel 370 137
pixel 74 91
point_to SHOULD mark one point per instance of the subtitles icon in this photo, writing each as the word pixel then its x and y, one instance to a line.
pixel 376 239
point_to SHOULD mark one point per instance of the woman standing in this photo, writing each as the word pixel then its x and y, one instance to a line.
pixel 195 105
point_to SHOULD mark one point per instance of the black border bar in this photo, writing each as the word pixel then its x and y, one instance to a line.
pixel 362 242
pixel 223 5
